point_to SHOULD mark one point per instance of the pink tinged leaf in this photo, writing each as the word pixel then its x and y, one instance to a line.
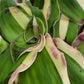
pixel 81 36
pixel 46 9
pixel 19 16
pixel 76 43
pixel 15 9
pixel 54 53
pixel 82 21
pixel 27 0
pixel 72 52
pixel 24 65
pixel 28 60
pixel 37 47
pixel 48 13
pixel 63 60
pixel 25 7
pixel 58 59
pixel 35 27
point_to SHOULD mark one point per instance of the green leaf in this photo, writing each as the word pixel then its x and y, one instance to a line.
pixel 72 9
pixel 29 33
pixel 51 12
pixel 46 9
pixel 39 3
pixel 9 27
pixel 6 3
pixel 12 24
pixel 21 17
pixel 65 29
pixel 57 58
pixel 76 73
pixel 81 2
pixel 42 71
pixel 63 26
pixel 34 29
pixel 25 7
pixel 54 13
pixel 19 61
pixel 19 45
pixel 3 44
pixel 6 64
pixel 28 61
pixel 37 13
pixel 71 32
pixel 41 26
pixel 56 30
pixel 72 52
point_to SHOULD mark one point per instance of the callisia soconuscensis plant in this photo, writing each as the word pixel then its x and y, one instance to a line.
pixel 42 42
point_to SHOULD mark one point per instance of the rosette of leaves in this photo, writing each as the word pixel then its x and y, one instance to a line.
pixel 41 42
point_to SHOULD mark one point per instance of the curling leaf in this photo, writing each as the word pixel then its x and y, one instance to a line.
pixel 42 71
pixel 28 61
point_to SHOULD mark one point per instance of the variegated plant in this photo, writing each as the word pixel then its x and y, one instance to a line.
pixel 42 42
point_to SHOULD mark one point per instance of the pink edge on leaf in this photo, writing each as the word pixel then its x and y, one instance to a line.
pixel 63 60
pixel 69 50
pixel 27 0
pixel 53 48
pixel 54 53
pixel 35 27
pixel 76 43
pixel 48 13
pixel 26 5
pixel 57 58
pixel 28 60
pixel 24 65
pixel 82 21
pixel 81 36
pixel 15 9
pixel 40 44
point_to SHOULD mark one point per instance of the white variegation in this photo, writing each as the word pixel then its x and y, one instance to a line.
pixel 72 52
pixel 28 61
pixel 57 58
pixel 81 3
pixel 25 7
pixel 63 26
pixel 45 8
pixel 20 17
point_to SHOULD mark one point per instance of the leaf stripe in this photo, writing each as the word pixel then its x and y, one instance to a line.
pixel 41 44
pixel 25 7
pixel 20 17
pixel 46 8
pixel 81 3
pixel 63 26
pixel 28 60
pixel 72 52
pixel 58 59
pixel 24 65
